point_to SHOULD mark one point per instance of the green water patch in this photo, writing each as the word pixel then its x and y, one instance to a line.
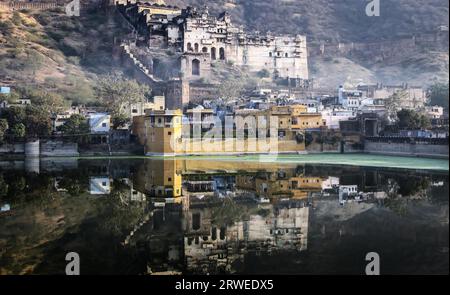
pixel 366 160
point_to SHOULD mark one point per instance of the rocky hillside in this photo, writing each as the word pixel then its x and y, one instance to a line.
pixel 49 50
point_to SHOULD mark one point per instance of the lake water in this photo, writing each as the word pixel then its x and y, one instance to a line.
pixel 235 215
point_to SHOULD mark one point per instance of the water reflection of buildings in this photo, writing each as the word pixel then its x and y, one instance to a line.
pixel 213 248
pixel 216 234
pixel 99 185
pixel 201 216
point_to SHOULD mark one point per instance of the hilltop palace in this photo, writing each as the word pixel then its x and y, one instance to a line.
pixel 203 39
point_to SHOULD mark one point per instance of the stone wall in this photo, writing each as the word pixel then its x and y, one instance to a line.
pixel 30 5
pixel 382 49
pixel 8 149
pixel 59 149
pixel 406 149
pixel 230 146
pixel 140 71
pixel 50 148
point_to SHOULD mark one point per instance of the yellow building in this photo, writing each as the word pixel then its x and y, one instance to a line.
pixel 163 133
pixel 296 117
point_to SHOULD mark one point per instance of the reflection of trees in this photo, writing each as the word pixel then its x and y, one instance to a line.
pixel 3 186
pixel 21 190
pixel 76 183
pixel 228 213
pixel 231 211
pixel 402 189
pixel 410 186
pixel 117 216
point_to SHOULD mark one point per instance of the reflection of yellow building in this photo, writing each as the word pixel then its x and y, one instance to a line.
pixel 161 180
pixel 281 183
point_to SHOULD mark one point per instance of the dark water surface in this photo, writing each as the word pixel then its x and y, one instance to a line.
pixel 140 216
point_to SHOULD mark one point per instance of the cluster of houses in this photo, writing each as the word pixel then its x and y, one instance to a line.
pixel 357 111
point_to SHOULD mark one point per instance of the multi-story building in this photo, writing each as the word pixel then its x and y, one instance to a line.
pixel 203 39
pixel 165 133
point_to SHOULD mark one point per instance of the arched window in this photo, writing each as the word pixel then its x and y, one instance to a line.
pixel 189 47
pixel 286 55
pixel 196 47
pixel 214 234
pixel 223 232
pixel 222 53
pixel 213 53
pixel 205 50
pixel 270 54
pixel 196 67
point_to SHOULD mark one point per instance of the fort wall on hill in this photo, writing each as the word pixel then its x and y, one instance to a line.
pixel 437 41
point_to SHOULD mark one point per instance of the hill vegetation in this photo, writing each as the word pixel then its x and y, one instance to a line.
pixel 50 51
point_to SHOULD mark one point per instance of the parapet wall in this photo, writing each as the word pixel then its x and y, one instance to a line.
pixel 406 149
pixel 31 5
pixel 230 146
pixel 50 148
pixel 435 41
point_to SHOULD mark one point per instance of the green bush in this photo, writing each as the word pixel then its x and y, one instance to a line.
pixel 6 27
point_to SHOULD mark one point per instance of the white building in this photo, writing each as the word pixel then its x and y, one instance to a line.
pixel 18 103
pixel 434 112
pixel 347 192
pixel 207 38
pixel 330 183
pixel 99 122
pixel 59 119
pixel 332 117
pixel 350 99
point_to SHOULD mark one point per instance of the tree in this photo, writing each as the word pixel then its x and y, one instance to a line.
pixel 412 120
pixel 439 94
pixel 14 115
pixel 48 101
pixel 75 125
pixel 3 128
pixel 18 130
pixel 120 120
pixel 37 122
pixel 10 97
pixel 393 103
pixel 118 92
